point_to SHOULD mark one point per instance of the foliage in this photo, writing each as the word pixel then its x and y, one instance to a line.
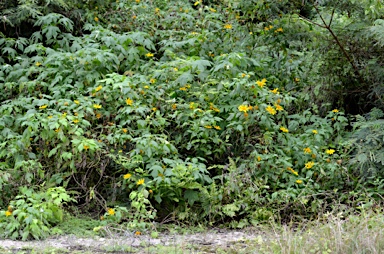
pixel 191 109
pixel 368 152
pixel 31 214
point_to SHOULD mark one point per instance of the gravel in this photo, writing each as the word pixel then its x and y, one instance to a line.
pixel 211 239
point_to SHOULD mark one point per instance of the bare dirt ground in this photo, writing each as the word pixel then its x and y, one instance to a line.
pixel 212 241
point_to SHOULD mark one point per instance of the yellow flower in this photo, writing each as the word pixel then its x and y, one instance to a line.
pixel 261 83
pixel 85 147
pixel 152 80
pixel 97 106
pixel 299 181
pixel 154 109
pixel 212 10
pixel 125 130
pixel 137 233
pixel 278 107
pixel 129 101
pixel 76 120
pixel 57 130
pixel 137 1
pixel 293 171
pixel 335 110
pixel 141 181
pixel 314 131
pixel 175 69
pixel 307 150
pixel 157 10
pixel 309 165
pixel 149 55
pixel 76 114
pixel 330 151
pixel 150 191
pixel 98 88
pixel 196 3
pixel 43 106
pixel 271 110
pixel 111 211
pixel 192 105
pixel 243 108
pixel 49 117
pixel 183 88
pixel 283 129
pixel 268 27
pixel 96 19
pixel 228 26
pixel 77 102
pixel 208 126
pixel 243 75
pixel 297 79
pixel 146 87
pixel 8 213
pixel 275 91
pixel 65 103
pixel 258 158
pixel 37 64
pixel 127 176
pixel 217 127
pixel 174 106
pixel 279 30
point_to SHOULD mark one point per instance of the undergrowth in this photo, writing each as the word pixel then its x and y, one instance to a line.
pixel 211 113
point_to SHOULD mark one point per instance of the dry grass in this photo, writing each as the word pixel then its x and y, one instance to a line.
pixel 333 234
pixel 355 234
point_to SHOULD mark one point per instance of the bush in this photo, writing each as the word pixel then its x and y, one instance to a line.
pixel 212 116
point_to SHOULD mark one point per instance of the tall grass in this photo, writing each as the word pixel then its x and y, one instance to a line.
pixel 356 234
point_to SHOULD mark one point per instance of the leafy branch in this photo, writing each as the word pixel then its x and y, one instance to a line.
pixel 327 26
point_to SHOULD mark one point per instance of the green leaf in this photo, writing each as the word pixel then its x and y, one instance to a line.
pixel 51 32
pixel 191 196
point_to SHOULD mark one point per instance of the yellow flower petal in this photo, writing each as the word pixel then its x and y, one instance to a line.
pixel 111 211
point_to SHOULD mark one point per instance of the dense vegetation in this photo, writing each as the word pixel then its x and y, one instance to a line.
pixel 212 112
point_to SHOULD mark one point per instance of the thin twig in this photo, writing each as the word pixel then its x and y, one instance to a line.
pixel 328 27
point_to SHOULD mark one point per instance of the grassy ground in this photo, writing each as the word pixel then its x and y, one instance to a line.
pixel 356 234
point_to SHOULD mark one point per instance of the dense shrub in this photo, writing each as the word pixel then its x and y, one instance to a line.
pixel 194 109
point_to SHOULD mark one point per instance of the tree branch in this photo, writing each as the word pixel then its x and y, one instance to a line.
pixel 345 53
